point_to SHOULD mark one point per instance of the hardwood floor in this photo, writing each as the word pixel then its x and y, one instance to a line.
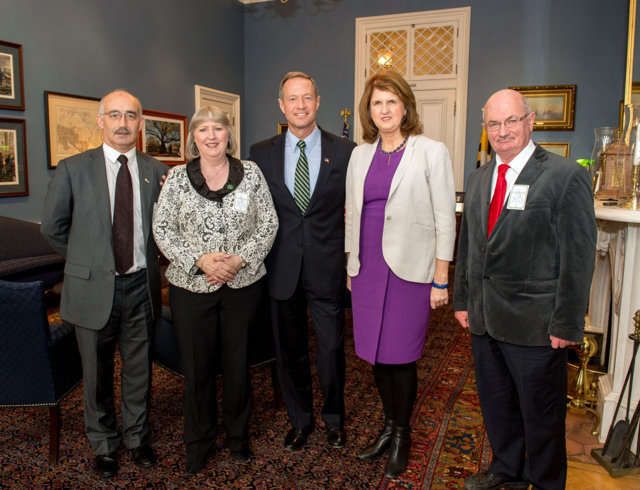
pixel 584 472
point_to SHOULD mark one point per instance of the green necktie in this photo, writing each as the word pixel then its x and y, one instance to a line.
pixel 301 194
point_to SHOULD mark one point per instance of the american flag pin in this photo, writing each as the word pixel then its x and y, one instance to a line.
pixel 326 160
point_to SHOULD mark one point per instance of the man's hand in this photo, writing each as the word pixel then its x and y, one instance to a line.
pixel 558 343
pixel 463 318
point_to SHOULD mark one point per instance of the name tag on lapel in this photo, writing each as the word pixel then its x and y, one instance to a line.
pixel 241 202
pixel 518 197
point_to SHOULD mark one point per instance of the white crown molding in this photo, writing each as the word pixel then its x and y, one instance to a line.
pixel 254 1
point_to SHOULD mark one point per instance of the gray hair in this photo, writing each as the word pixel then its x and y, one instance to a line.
pixel 101 106
pixel 295 74
pixel 203 115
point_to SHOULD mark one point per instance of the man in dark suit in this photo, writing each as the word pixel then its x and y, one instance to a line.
pixel 306 169
pixel 97 214
pixel 524 264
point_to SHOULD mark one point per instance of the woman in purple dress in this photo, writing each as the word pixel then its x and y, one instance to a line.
pixel 399 239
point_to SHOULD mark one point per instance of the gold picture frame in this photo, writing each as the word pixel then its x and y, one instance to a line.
pixel 164 137
pixel 554 105
pixel 282 127
pixel 71 125
pixel 561 149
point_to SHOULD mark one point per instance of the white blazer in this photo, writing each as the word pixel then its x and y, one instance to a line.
pixel 419 217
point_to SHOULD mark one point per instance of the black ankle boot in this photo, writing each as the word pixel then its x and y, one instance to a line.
pixel 399 454
pixel 381 444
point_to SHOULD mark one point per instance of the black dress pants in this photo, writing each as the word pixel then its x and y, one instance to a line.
pixel 523 395
pixel 199 319
pixel 290 331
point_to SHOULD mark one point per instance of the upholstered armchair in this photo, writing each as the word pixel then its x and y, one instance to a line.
pixel 39 363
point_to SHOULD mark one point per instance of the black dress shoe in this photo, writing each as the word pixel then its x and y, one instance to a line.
pixel 485 481
pixel 198 455
pixel 379 446
pixel 296 438
pixel 144 456
pixel 399 452
pixel 336 437
pixel 107 465
pixel 242 455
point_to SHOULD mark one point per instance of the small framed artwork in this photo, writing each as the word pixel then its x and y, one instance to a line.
pixel 554 105
pixel 561 149
pixel 71 125
pixel 163 136
pixel 11 78
pixel 14 179
pixel 282 127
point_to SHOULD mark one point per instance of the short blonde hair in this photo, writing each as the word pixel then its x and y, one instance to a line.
pixel 393 82
pixel 203 115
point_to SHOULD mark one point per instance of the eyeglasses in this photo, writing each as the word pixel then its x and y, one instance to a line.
pixel 117 115
pixel 493 126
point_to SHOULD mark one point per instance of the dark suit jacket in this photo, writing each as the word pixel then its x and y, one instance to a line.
pixel 77 223
pixel 318 236
pixel 531 278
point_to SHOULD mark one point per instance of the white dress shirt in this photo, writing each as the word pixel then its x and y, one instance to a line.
pixel 112 167
pixel 515 167
pixel 292 154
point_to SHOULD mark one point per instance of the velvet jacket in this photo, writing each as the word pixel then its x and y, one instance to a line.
pixel 531 277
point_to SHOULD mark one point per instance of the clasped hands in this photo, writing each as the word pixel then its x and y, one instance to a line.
pixel 219 267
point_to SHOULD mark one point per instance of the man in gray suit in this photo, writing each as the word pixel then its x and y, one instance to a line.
pixel 524 264
pixel 97 214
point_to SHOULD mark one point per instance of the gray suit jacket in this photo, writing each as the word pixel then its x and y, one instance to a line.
pixel 531 277
pixel 77 223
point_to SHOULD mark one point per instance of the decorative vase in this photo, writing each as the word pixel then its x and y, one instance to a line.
pixel 603 138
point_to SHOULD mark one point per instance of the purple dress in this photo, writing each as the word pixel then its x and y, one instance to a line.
pixel 390 315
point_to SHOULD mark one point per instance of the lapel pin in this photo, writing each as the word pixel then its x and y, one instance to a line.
pixel 146 180
pixel 326 160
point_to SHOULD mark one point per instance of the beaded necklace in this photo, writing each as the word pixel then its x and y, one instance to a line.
pixel 395 150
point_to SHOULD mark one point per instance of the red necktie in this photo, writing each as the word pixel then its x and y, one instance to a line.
pixel 498 197
pixel 123 218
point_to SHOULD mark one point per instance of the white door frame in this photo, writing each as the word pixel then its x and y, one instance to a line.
pixel 225 98
pixel 461 17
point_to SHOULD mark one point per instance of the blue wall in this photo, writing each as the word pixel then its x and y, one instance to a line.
pixel 156 49
pixel 513 42
pixel 159 49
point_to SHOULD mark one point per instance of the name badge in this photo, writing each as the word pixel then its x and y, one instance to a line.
pixel 241 203
pixel 518 197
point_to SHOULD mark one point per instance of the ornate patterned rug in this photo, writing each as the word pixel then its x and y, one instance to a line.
pixel 448 438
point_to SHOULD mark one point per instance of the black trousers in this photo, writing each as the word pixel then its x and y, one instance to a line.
pixel 128 328
pixel 290 331
pixel 398 387
pixel 523 396
pixel 199 319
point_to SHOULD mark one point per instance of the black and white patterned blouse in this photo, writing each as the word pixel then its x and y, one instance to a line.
pixel 190 220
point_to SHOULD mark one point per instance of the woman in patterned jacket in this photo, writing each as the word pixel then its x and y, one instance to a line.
pixel 215 222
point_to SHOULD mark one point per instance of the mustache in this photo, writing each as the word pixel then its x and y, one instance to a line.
pixel 122 130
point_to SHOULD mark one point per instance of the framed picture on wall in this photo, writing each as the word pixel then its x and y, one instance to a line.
pixel 561 149
pixel 282 127
pixel 11 78
pixel 71 125
pixel 554 105
pixel 14 179
pixel 164 137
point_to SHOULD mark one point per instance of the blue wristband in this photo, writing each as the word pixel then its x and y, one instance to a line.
pixel 440 286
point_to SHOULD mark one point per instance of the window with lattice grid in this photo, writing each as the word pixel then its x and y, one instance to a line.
pixel 388 51
pixel 433 52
